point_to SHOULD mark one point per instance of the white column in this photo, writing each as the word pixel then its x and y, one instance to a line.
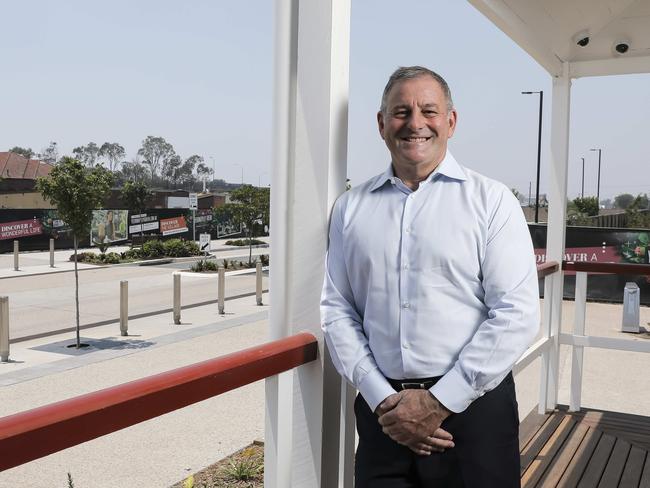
pixel 558 171
pixel 309 167
pixel 577 351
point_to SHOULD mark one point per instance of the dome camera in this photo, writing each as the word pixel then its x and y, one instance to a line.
pixel 621 47
pixel 581 38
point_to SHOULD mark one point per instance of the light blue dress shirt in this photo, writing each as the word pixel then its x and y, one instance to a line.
pixel 440 281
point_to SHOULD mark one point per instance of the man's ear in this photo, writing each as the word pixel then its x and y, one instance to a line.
pixel 380 123
pixel 453 117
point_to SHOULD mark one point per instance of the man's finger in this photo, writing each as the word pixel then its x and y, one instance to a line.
pixel 438 443
pixel 441 433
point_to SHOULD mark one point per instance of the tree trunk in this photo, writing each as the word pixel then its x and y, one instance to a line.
pixel 76 290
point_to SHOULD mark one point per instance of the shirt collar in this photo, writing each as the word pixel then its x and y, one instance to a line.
pixel 448 167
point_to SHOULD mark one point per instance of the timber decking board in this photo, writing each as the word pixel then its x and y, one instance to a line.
pixel 633 468
pixel 615 465
pixel 580 459
pixel 537 442
pixel 529 427
pixel 563 459
pixel 645 477
pixel 546 455
pixel 596 466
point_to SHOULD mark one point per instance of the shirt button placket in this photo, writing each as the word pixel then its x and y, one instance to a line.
pixel 405 304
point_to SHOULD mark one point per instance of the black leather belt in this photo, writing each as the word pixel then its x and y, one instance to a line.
pixel 413 384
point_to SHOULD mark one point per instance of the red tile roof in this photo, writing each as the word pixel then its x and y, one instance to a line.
pixel 15 166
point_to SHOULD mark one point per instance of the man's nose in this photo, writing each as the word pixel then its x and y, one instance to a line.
pixel 416 120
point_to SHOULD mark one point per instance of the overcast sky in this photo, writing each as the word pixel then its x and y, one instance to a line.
pixel 199 74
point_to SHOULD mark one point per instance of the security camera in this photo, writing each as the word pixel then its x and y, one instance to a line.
pixel 621 47
pixel 581 38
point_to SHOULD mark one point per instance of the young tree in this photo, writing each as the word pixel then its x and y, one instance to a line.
pixel 136 195
pixel 155 151
pixel 251 206
pixel 113 153
pixel 587 205
pixel 132 171
pixel 76 191
pixel 623 200
pixel 26 153
pixel 87 154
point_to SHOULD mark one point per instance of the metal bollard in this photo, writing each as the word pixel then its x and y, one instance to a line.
pixel 16 255
pixel 4 329
pixel 222 290
pixel 177 298
pixel 124 307
pixel 258 283
pixel 51 253
pixel 631 303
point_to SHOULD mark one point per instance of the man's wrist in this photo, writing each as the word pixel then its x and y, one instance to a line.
pixel 443 411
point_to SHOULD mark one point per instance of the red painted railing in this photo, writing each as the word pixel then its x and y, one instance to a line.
pixel 547 269
pixel 611 268
pixel 35 433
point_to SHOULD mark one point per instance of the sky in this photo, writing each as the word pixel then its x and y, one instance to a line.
pixel 199 73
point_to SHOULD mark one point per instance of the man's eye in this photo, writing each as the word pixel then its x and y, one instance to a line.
pixel 430 113
pixel 400 113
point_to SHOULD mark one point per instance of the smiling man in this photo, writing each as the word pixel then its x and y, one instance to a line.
pixel 430 297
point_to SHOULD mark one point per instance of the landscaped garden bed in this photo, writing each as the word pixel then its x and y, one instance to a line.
pixel 153 249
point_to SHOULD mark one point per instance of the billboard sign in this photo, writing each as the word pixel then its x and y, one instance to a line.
pixel 20 228
pixel 174 225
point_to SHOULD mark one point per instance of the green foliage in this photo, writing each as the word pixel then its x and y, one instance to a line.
pixel 153 249
pixel 587 205
pixel 178 248
pixel 623 200
pixel 245 467
pixel 26 153
pixel 189 482
pixel 94 258
pixel 156 152
pixel 76 191
pixel 250 207
pixel 242 242
pixel 204 265
pixel 638 215
pixel 113 153
pixel 132 254
pixel 635 251
pixel 136 195
pixel 87 154
pixel 264 259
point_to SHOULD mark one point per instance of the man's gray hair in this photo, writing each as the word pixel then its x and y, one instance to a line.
pixel 410 72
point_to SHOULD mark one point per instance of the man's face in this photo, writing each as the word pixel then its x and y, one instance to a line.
pixel 416 124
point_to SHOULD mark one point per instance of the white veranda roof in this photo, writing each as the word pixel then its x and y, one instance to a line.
pixel 549 30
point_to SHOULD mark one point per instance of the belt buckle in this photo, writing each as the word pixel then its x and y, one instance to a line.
pixel 413 386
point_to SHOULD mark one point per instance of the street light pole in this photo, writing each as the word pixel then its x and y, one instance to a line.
pixel 582 193
pixel 600 151
pixel 539 149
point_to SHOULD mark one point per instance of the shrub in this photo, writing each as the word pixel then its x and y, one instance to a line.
pixel 264 259
pixel 192 248
pixel 204 265
pixel 175 248
pixel 110 258
pixel 134 253
pixel 244 242
pixel 153 249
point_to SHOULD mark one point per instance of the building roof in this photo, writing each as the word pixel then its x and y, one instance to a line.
pixel 15 166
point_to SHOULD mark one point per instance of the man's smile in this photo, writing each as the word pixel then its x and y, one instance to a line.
pixel 415 139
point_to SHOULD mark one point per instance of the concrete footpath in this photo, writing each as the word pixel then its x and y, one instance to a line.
pixel 158 452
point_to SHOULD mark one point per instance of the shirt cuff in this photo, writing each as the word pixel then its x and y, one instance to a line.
pixel 374 388
pixel 454 392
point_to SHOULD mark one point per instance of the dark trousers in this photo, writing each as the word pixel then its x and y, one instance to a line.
pixel 486 452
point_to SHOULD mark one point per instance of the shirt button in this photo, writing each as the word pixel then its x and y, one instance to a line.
pixel 405 345
pixel 406 305
pixel 406 266
pixel 408 230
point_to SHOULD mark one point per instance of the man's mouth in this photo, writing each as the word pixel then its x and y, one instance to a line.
pixel 416 139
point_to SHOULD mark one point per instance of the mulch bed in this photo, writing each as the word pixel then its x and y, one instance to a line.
pixel 243 469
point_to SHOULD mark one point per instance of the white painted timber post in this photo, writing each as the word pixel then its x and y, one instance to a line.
pixel 577 351
pixel 309 171
pixel 221 290
pixel 258 283
pixel 556 230
pixel 177 298
pixel 546 355
pixel 124 307
pixel 4 329
pixel 51 253
pixel 16 256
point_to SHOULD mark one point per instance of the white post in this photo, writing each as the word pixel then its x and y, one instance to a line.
pixel 546 355
pixel 310 127
pixel 51 253
pixel 124 307
pixel 577 351
pixel 4 329
pixel 558 171
pixel 258 283
pixel 15 255
pixel 221 291
pixel 177 298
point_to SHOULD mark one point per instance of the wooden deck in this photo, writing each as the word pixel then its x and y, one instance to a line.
pixel 591 448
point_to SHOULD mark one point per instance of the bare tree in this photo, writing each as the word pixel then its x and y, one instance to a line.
pixel 50 154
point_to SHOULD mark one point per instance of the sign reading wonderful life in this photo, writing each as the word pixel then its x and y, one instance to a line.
pixel 20 228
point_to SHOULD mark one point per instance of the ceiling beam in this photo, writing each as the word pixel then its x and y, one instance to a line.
pixel 612 66
pixel 505 19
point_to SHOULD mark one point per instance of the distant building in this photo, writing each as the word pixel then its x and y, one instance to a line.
pixel 18 181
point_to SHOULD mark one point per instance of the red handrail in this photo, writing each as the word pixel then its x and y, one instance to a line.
pixel 547 269
pixel 32 434
pixel 611 268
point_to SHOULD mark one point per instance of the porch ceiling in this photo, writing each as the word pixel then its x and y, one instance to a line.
pixel 549 31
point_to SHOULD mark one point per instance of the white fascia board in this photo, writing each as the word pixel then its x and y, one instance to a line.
pixel 612 66
pixel 505 19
